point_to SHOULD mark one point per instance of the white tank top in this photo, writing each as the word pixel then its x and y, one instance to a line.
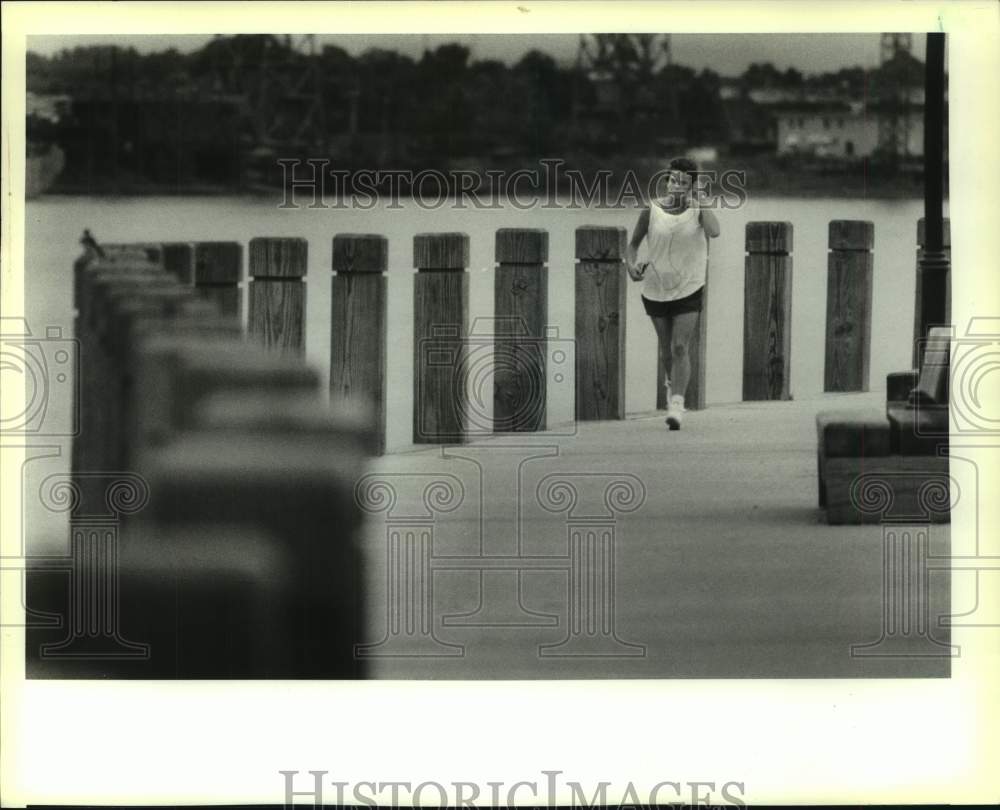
pixel 677 252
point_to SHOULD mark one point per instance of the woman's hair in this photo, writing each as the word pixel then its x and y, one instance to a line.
pixel 683 164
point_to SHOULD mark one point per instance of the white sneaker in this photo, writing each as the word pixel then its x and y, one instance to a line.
pixel 675 412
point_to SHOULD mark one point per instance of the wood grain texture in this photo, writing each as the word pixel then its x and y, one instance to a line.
pixel 440 327
pixel 769 237
pixel 767 327
pixel 360 253
pixel 848 307
pixel 598 243
pixel 600 340
pixel 277 315
pixel 520 348
pixel 273 257
pixel 525 246
pixel 441 251
pixel 358 335
pixel 851 234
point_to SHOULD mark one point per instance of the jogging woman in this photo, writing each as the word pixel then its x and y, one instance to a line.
pixel 676 230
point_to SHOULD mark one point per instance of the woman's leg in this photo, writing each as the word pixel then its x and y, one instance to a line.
pixel 661 324
pixel 681 331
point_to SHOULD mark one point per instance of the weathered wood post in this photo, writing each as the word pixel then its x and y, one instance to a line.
pixel 694 398
pixel 218 267
pixel 178 258
pixel 440 326
pixel 600 323
pixel 358 324
pixel 278 294
pixel 169 300
pixel 919 291
pixel 99 371
pixel 140 321
pixel 520 349
pixel 119 262
pixel 767 299
pixel 849 305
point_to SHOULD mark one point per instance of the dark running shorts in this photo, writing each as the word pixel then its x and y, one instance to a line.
pixel 662 309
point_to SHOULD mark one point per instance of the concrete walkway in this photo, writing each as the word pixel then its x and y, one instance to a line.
pixel 504 550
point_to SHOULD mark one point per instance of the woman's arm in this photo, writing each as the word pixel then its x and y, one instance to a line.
pixel 632 253
pixel 708 222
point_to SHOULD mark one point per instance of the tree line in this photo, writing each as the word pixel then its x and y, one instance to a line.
pixel 240 99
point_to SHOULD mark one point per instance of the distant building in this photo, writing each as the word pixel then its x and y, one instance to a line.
pixel 731 88
pixel 772 95
pixel 750 127
pixel 842 131
pixel 47 107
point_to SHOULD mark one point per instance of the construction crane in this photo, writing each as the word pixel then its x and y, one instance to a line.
pixel 620 63
pixel 281 89
pixel 894 97
pixel 621 69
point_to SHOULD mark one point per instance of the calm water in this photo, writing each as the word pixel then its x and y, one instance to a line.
pixel 54 225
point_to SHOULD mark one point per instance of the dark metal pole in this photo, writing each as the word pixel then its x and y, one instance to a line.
pixel 934 265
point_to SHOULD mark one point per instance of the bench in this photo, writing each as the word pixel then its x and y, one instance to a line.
pixel 875 466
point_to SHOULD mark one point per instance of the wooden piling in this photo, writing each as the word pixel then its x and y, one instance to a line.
pixel 174 373
pixel 216 274
pixel 130 253
pixel 277 294
pixel 600 323
pixel 919 291
pixel 300 489
pixel 440 326
pixel 520 349
pixel 358 325
pixel 241 508
pixel 178 258
pixel 849 305
pixel 767 298
pixel 100 378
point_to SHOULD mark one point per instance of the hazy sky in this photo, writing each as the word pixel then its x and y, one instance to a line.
pixel 728 54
